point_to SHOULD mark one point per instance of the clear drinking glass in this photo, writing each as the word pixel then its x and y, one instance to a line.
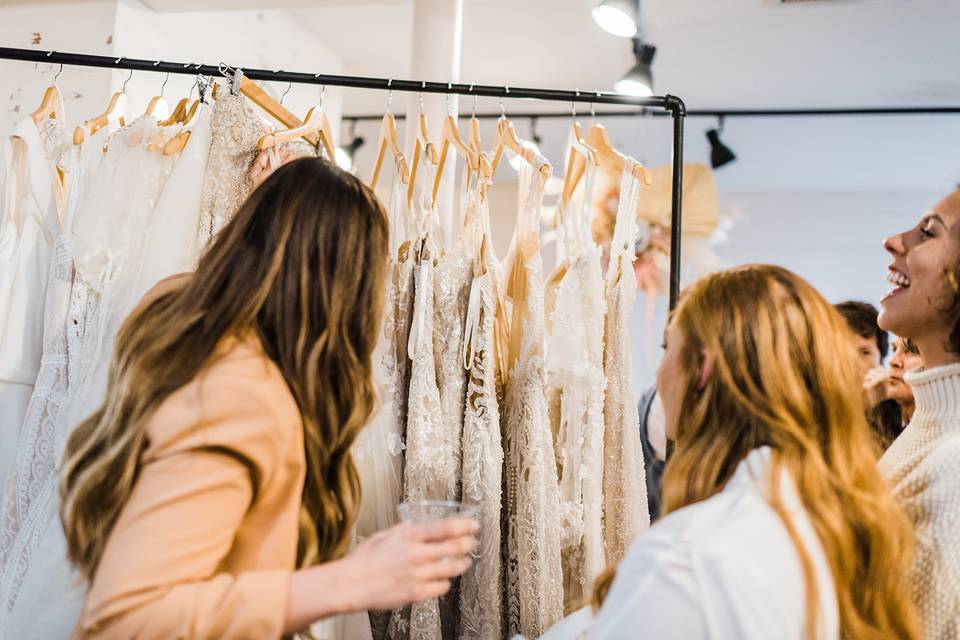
pixel 423 511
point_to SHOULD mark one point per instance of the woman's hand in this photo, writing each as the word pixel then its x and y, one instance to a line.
pixel 399 566
pixel 262 167
pixel 875 384
pixel 411 562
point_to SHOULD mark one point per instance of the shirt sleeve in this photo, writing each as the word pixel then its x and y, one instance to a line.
pixel 161 572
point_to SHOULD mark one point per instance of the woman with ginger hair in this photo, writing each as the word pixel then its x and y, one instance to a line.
pixel 778 524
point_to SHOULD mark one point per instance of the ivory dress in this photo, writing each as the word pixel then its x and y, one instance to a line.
pixel 30 220
pixel 625 510
pixel 576 382
pixel 481 590
pixel 534 577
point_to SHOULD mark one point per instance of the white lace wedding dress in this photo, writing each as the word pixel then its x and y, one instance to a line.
pixel 534 578
pixel 576 382
pixel 481 589
pixel 624 492
pixel 122 215
pixel 30 220
pixel 28 488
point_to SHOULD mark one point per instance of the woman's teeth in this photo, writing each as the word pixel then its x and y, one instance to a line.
pixel 898 279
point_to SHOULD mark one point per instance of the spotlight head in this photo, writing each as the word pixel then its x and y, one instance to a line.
pixel 720 154
pixel 639 79
pixel 344 155
pixel 619 17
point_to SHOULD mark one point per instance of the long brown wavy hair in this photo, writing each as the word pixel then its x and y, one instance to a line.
pixel 302 266
pixel 782 378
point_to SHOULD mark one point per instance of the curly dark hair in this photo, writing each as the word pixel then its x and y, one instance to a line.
pixel 862 318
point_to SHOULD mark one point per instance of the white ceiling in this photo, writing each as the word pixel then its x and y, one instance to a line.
pixel 727 54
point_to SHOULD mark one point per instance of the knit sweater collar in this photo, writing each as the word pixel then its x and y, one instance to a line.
pixel 936 393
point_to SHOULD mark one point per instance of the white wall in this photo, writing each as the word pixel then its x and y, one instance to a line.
pixel 86 27
pixel 270 39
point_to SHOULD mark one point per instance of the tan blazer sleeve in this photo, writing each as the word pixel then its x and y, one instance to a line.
pixel 160 574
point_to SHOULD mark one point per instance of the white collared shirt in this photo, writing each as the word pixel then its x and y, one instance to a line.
pixel 724 568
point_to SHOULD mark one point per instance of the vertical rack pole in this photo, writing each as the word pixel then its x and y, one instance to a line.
pixel 678 111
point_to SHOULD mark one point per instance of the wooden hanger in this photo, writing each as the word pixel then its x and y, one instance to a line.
pixel 159 101
pixel 598 138
pixel 316 122
pixel 389 139
pixel 48 105
pixel 580 154
pixel 177 143
pixel 421 147
pixel 276 110
pixel 115 111
pixel 176 116
pixel 507 139
pixel 450 136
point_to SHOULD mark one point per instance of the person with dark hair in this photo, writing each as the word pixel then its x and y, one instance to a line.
pixel 872 344
pixel 653 438
pixel 923 463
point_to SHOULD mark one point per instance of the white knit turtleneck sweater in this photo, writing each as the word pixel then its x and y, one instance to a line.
pixel 923 468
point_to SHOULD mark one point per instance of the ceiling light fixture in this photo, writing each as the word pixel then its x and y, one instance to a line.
pixel 344 156
pixel 619 17
pixel 639 79
pixel 720 154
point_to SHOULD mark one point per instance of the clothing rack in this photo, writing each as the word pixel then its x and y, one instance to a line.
pixel 701 113
pixel 672 105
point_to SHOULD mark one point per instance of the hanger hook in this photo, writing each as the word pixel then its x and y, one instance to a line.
pixel 720 124
pixel 573 104
pixel 59 71
pixel 449 91
pixel 166 79
pixel 473 113
pixel 124 89
pixel 389 93
pixel 423 85
pixel 284 94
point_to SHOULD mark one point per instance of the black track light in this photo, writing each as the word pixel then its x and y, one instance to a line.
pixel 720 154
pixel 619 17
pixel 639 79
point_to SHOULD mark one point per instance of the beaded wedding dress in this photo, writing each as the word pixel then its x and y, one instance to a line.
pixel 576 385
pixel 534 578
pixel 624 491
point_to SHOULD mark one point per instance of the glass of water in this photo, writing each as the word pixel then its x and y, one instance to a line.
pixel 423 511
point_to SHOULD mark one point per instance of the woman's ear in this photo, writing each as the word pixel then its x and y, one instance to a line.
pixel 706 370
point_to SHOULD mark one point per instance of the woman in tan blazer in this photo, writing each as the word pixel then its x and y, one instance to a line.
pixel 213 494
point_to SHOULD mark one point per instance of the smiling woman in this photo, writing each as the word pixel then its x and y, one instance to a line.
pixel 923 465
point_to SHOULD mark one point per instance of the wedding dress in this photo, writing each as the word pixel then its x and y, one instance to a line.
pixel 574 370
pixel 378 451
pixel 534 577
pixel 29 479
pixel 482 450
pixel 625 508
pixel 107 238
pixel 379 447
pixel 235 129
pixel 30 221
